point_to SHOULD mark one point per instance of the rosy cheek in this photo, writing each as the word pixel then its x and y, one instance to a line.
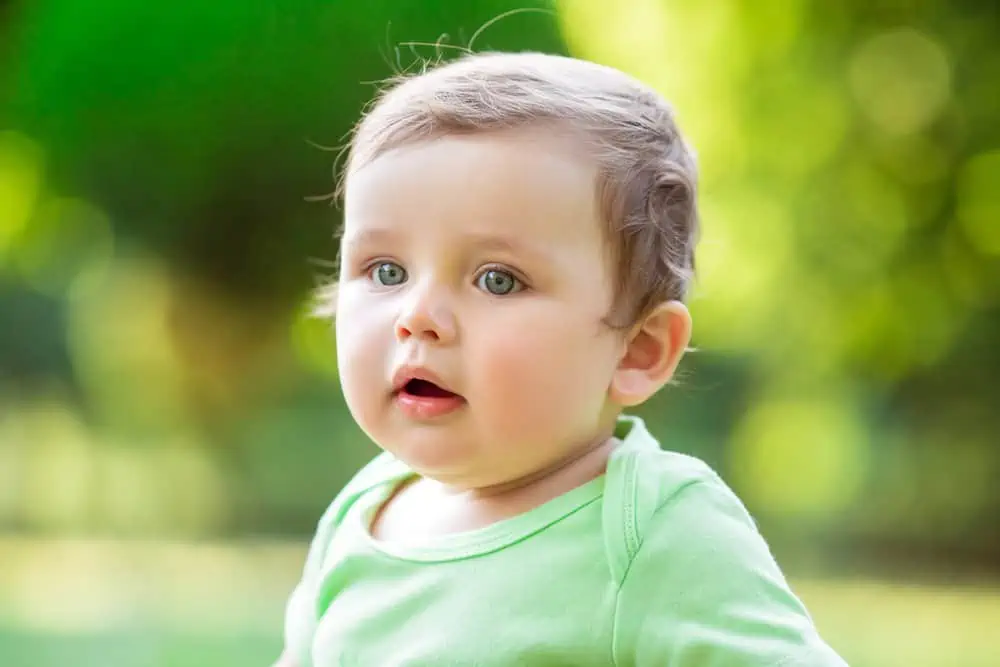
pixel 361 347
pixel 520 380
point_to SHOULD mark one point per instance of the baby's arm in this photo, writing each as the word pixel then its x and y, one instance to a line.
pixel 704 591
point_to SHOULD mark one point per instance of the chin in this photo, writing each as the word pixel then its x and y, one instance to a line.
pixel 430 454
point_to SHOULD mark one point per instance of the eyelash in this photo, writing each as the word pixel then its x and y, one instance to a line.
pixel 369 267
pixel 365 268
pixel 516 275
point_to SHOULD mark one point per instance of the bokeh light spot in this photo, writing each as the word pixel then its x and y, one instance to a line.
pixel 901 79
pixel 979 201
pixel 312 339
pixel 800 457
pixel 66 248
pixel 20 185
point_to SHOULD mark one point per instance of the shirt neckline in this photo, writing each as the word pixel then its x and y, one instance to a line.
pixel 481 541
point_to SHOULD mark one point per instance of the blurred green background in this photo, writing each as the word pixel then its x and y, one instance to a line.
pixel 171 426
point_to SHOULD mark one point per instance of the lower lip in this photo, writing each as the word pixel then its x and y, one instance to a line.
pixel 427 407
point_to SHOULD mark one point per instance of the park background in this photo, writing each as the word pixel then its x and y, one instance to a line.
pixel 171 426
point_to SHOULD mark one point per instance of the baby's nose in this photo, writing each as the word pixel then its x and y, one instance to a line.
pixel 426 318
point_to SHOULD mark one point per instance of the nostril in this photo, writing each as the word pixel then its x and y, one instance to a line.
pixel 403 331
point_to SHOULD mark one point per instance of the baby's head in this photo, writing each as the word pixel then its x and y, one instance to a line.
pixel 519 232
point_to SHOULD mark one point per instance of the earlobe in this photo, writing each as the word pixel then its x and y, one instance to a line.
pixel 652 351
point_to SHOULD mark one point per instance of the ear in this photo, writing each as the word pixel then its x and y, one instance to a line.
pixel 651 353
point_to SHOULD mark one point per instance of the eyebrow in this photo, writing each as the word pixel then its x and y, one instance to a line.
pixel 503 244
pixel 368 237
pixel 480 241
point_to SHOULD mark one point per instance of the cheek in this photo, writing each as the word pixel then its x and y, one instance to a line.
pixel 360 352
pixel 554 375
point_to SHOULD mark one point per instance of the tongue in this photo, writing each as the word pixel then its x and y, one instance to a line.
pixel 427 389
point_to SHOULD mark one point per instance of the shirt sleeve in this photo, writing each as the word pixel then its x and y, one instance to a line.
pixel 703 590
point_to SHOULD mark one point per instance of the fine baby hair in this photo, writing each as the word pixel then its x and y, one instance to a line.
pixel 647 178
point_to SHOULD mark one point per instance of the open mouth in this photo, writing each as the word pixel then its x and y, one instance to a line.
pixel 426 389
pixel 424 401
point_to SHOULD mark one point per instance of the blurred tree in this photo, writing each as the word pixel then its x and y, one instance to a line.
pixel 190 124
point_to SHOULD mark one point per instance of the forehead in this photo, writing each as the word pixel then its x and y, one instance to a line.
pixel 523 185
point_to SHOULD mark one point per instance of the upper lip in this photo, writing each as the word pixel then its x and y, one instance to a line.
pixel 405 374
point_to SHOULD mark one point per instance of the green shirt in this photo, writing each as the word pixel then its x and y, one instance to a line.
pixel 656 562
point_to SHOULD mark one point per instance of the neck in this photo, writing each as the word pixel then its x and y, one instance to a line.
pixel 576 468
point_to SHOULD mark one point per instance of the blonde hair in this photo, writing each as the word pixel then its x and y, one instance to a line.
pixel 647 177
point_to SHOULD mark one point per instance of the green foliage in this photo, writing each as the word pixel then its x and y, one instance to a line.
pixel 157 252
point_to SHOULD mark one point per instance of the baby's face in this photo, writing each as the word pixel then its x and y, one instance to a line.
pixel 478 266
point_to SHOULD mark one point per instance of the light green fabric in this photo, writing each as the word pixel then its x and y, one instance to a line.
pixel 654 563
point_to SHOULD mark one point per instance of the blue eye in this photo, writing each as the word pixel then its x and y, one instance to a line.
pixel 387 274
pixel 498 283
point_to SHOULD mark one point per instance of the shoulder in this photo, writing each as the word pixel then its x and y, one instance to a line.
pixel 381 470
pixel 649 486
pixel 682 507
pixel 300 617
pixel 662 477
pixel 676 488
pixel 698 582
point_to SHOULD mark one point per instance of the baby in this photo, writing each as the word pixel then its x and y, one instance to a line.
pixel 518 241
